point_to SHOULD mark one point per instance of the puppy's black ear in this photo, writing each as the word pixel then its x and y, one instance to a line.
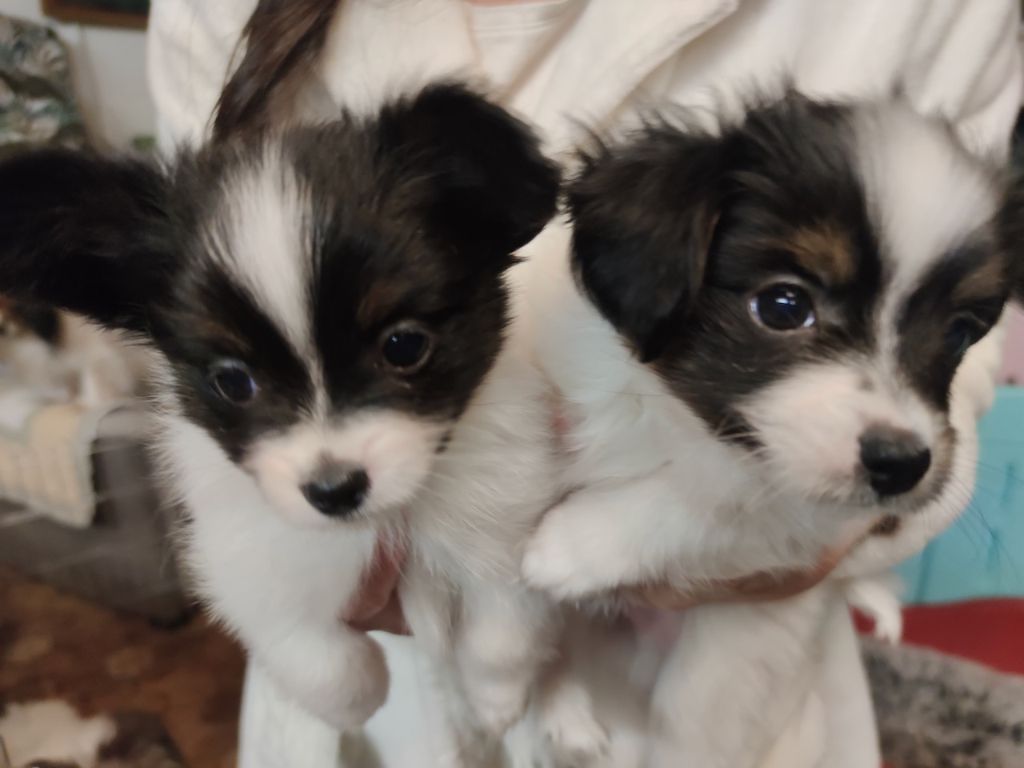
pixel 84 233
pixel 492 190
pixel 643 218
pixel 1011 233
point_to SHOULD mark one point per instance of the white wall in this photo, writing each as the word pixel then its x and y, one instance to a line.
pixel 109 70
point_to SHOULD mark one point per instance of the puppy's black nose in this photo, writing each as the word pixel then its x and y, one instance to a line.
pixel 895 460
pixel 337 488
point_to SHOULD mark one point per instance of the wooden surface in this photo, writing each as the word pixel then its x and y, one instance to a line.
pixel 56 646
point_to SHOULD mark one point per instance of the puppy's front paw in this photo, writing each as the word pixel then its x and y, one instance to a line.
pixel 558 563
pixel 497 707
pixel 878 599
pixel 573 731
pixel 889 626
pixel 343 695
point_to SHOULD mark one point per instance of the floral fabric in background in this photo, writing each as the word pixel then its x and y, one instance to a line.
pixel 37 103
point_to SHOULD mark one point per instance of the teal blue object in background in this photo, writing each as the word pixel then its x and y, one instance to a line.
pixel 982 554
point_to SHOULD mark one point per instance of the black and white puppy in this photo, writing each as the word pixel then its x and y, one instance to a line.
pixel 338 370
pixel 777 345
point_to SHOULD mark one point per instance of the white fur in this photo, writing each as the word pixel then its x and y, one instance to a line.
pixel 281 588
pixel 53 731
pixel 818 454
pixel 463 597
pixel 591 710
pixel 969 393
pixel 266 241
pixel 282 576
pixel 395 450
pixel 87 365
pixel 654 496
pixel 656 490
pixel 270 567
pixel 909 171
pixel 879 599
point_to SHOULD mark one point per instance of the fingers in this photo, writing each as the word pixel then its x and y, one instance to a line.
pixel 762 586
pixel 390 618
pixel 376 606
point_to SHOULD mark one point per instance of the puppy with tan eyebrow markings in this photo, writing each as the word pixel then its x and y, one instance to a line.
pixel 765 346
pixel 341 373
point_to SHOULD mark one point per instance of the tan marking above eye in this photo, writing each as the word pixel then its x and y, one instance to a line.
pixel 989 279
pixel 378 303
pixel 824 251
pixel 211 331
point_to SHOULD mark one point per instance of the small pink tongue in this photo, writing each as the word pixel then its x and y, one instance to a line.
pixel 380 579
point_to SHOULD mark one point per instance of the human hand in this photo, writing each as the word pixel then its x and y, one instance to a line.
pixel 377 606
pixel 765 586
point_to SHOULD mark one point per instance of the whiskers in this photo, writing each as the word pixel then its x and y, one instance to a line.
pixel 975 523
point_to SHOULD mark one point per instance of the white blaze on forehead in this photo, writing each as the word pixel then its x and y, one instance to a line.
pixel 263 237
pixel 926 195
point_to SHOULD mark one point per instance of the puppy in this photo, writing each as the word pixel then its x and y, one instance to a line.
pixel 65 357
pixel 770 353
pixel 329 309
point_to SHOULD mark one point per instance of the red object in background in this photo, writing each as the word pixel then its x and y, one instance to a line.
pixel 990 632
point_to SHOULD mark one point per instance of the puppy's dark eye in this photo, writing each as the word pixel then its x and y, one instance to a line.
pixel 962 334
pixel 406 348
pixel 233 382
pixel 783 307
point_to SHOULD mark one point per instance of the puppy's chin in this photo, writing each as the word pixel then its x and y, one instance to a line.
pixel 804 436
pixel 395 450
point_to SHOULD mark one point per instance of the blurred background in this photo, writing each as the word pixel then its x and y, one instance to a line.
pixel 99 645
pixel 97 635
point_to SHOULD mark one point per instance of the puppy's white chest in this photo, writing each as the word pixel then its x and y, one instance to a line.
pixel 244 555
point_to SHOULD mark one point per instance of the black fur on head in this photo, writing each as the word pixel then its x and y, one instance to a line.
pixel 86 233
pixel 646 210
pixel 680 234
pixel 1011 232
pixel 104 236
pixel 411 215
pixel 40 320
pixel 634 205
pixel 493 189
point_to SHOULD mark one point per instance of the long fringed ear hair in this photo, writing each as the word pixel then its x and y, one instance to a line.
pixel 458 137
pixel 94 234
pixel 644 215
pixel 280 44
pixel 647 211
pixel 87 233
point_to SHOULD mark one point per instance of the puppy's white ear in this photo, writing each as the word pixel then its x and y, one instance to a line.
pixel 492 188
pixel 84 233
pixel 643 219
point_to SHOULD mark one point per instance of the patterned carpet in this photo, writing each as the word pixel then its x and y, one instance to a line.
pixel 56 646
pixel 935 711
